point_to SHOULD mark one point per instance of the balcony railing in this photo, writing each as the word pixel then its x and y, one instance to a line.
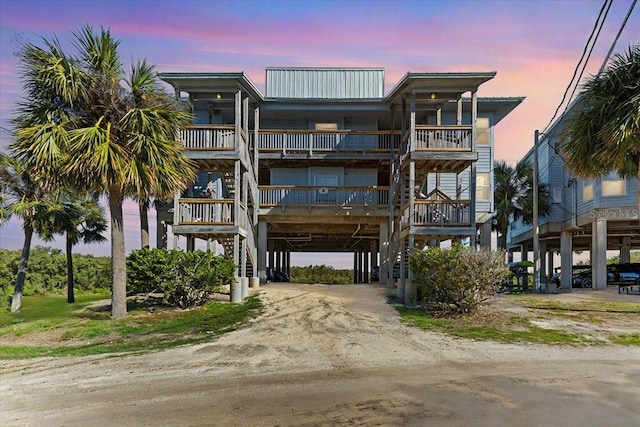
pixel 324 141
pixel 208 137
pixel 442 212
pixel 204 211
pixel 443 138
pixel 323 196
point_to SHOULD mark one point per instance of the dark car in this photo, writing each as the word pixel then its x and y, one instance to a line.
pixel 617 274
pixel 375 274
pixel 276 276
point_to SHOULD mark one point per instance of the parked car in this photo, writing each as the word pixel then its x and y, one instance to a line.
pixel 617 274
pixel 276 276
pixel 375 273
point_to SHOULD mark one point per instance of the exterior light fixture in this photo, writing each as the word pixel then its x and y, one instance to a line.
pixel 432 95
pixel 218 95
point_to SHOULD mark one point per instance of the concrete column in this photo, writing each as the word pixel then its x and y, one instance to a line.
pixel 262 252
pixel 384 254
pixel 244 288
pixel 278 265
pixel 374 256
pixel 410 293
pixel 485 235
pixel 175 241
pixel 236 252
pixel 550 265
pixel 236 290
pixel 254 282
pixel 599 253
pixel 625 249
pixel 566 260
pixel 400 289
pixel 543 265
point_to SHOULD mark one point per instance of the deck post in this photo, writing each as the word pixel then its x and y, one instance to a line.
pixel 384 255
pixel 472 175
pixel 262 251
pixel 355 266
pixel 566 260
pixel 625 249
pixel 599 253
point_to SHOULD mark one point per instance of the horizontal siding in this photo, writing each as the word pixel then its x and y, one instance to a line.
pixel 325 83
pixel 282 176
pixel 360 177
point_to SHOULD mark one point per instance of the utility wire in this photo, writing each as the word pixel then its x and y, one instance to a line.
pixel 598 24
pixel 615 41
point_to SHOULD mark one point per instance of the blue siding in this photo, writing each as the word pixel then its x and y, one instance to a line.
pixel 360 177
pixel 282 176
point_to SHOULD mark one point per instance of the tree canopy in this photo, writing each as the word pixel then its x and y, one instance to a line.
pixel 83 123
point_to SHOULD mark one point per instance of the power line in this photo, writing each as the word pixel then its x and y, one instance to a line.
pixel 590 42
pixel 615 41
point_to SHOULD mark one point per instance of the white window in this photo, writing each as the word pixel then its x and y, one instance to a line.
pixel 482 128
pixel 612 185
pixel 482 186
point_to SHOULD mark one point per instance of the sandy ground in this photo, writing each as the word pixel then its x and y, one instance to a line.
pixel 330 355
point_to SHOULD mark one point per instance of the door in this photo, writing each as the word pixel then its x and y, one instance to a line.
pixel 326 194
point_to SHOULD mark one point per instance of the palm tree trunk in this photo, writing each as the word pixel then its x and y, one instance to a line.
pixel 16 300
pixel 70 295
pixel 143 206
pixel 502 242
pixel 638 192
pixel 118 261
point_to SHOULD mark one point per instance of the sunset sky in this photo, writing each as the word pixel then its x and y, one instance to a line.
pixel 533 45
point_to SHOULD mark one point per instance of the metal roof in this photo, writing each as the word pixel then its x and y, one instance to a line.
pixel 210 83
pixel 326 83
pixel 439 82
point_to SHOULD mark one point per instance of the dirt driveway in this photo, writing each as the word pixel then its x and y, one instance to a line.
pixel 330 355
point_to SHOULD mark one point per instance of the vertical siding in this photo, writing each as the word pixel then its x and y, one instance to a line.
pixel 325 83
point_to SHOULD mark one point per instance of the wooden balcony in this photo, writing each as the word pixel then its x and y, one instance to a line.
pixel 438 148
pixel 208 137
pixel 440 213
pixel 338 197
pixel 443 138
pixel 311 141
pixel 204 212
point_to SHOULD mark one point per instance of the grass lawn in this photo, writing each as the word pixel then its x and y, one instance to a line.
pixel 536 319
pixel 49 326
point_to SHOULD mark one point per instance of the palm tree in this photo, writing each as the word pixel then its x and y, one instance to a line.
pixel 146 93
pixel 78 118
pixel 513 197
pixel 81 220
pixel 24 197
pixel 603 135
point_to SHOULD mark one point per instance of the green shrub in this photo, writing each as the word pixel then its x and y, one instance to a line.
pixel 186 279
pixel 47 271
pixel 457 280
